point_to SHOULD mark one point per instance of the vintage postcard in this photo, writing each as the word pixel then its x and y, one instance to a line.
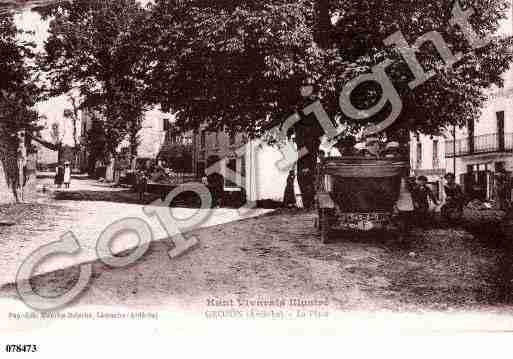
pixel 242 169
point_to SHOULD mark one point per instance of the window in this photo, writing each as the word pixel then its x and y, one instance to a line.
pixel 232 138
pixel 436 163
pixel 419 155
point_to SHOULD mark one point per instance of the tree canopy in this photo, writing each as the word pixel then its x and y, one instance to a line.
pixel 241 64
pixel 95 46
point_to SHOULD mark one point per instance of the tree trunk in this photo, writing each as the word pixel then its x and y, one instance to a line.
pixel 49 145
pixel 133 156
pixel 7 190
pixel 21 165
pixel 30 178
pixel 17 174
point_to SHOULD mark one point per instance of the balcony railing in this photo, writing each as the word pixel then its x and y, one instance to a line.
pixel 493 142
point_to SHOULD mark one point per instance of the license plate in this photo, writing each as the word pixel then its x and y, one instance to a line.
pixel 363 221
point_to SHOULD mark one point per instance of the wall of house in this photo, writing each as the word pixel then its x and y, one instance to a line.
pixel 267 181
pixel 207 144
pixel 152 135
pixel 432 162
pixel 432 155
pixel 499 99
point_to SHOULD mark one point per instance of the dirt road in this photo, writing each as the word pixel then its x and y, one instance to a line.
pixel 279 256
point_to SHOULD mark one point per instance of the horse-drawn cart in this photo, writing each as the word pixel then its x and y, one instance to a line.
pixel 362 194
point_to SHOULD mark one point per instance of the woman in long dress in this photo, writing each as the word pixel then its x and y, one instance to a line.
pixel 289 198
pixel 59 175
pixel 67 174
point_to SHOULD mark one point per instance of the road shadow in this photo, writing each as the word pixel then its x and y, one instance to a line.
pixel 490 236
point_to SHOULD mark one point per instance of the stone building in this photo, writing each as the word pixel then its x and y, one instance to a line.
pixel 475 152
pixel 253 161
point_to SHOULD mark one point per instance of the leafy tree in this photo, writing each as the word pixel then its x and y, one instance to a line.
pixel 94 46
pixel 241 64
pixel 18 118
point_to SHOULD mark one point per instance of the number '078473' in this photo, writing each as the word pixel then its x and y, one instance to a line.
pixel 19 348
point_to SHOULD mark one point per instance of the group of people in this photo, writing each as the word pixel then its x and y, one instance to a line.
pixel 451 210
pixel 63 175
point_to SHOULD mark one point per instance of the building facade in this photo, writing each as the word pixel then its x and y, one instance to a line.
pixel 176 152
pixel 476 152
pixel 210 147
pixel 427 158
pixel 253 161
pixel 473 153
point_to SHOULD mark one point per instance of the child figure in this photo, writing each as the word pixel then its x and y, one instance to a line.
pixel 67 174
pixel 142 184
pixel 421 196
pixel 453 207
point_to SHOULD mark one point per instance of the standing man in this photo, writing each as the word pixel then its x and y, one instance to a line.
pixel 216 184
pixel 502 189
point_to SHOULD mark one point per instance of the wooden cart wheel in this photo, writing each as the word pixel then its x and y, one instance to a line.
pixel 323 224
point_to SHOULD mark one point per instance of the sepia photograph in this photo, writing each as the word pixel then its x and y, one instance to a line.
pixel 226 169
